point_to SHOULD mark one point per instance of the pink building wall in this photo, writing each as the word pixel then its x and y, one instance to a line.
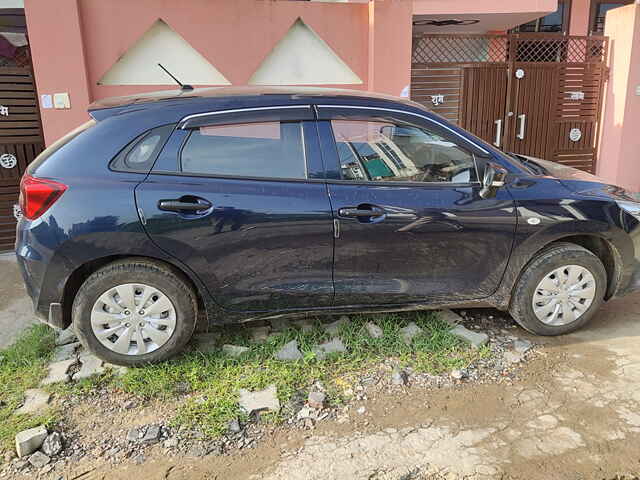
pixel 619 159
pixel 235 36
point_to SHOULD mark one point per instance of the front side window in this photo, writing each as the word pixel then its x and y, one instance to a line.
pixel 264 150
pixel 381 151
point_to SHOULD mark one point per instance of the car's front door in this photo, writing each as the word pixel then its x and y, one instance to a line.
pixel 411 224
pixel 240 199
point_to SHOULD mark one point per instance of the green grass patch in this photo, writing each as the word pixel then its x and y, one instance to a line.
pixel 22 366
pixel 214 378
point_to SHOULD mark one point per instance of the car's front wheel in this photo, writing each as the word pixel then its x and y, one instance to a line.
pixel 134 312
pixel 559 291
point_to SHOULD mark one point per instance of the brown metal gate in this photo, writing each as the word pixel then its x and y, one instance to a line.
pixel 20 142
pixel 534 94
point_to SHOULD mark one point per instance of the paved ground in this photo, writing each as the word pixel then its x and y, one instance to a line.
pixel 573 414
pixel 16 310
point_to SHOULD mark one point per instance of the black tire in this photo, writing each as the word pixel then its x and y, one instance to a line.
pixel 549 259
pixel 136 270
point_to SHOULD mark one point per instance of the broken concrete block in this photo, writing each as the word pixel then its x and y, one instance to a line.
pixel 234 350
pixel 289 352
pixel 58 372
pixel 90 365
pixel 334 327
pixel 28 441
pixel 266 399
pixel 39 460
pixel 63 337
pixel 450 317
pixel 409 332
pixel 65 352
pixel 35 401
pixel 374 330
pixel 476 339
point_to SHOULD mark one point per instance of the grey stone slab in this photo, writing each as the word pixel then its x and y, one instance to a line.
pixel 334 327
pixel 476 339
pixel 39 460
pixel 266 399
pixel 65 352
pixel 66 336
pixel 28 441
pixel 409 332
pixel 450 317
pixel 58 372
pixel 374 330
pixel 90 365
pixel 334 345
pixel 35 401
pixel 289 352
pixel 522 346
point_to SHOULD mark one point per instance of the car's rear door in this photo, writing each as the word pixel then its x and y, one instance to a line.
pixel 413 226
pixel 239 197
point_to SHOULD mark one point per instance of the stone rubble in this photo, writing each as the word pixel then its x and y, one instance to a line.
pixel 52 445
pixel 334 327
pixel 65 352
pixel 39 459
pixel 28 441
pixel 64 337
pixel 259 334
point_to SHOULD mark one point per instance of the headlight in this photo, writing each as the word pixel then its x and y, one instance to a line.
pixel 632 208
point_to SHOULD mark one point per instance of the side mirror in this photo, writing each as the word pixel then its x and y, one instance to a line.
pixel 492 180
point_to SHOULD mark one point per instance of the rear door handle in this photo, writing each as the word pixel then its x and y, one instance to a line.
pixel 180 205
pixel 354 212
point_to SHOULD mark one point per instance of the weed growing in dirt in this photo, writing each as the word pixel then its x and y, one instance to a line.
pixel 22 366
pixel 213 379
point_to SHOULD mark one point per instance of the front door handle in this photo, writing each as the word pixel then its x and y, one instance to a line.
pixel 192 205
pixel 355 212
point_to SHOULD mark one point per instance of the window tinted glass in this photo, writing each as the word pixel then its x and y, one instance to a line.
pixel 380 151
pixel 270 149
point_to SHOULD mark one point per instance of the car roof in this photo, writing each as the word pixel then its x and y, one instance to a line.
pixel 256 96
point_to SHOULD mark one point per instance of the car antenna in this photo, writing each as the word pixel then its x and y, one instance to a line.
pixel 183 87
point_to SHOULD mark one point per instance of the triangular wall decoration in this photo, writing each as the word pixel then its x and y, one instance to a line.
pixel 161 44
pixel 301 57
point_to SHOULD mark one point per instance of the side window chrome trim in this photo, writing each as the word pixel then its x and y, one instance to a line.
pixel 384 109
pixel 182 123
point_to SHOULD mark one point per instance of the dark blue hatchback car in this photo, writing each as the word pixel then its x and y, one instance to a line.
pixel 233 204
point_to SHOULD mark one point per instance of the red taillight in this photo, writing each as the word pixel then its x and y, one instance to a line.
pixel 37 195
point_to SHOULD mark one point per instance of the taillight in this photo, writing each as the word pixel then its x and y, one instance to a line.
pixel 37 195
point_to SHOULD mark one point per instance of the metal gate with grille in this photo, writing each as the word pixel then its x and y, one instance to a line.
pixel 534 94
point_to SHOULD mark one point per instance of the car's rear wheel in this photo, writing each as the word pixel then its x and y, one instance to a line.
pixel 559 291
pixel 134 312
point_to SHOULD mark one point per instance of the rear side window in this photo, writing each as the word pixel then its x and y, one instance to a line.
pixel 263 150
pixel 140 154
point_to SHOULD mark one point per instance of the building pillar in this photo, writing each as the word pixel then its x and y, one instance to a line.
pixel 619 139
pixel 579 19
pixel 390 36
pixel 57 49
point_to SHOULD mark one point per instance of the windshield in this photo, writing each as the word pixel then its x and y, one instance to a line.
pixel 58 144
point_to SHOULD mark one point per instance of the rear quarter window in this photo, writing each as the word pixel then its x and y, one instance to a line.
pixel 139 155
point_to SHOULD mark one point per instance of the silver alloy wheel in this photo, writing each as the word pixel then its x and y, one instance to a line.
pixel 563 295
pixel 133 319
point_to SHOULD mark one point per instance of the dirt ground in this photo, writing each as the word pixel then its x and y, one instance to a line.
pixel 573 413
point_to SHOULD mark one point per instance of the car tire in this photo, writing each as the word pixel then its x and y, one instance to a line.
pixel 555 264
pixel 114 293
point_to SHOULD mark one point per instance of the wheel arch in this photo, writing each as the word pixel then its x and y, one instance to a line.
pixel 81 273
pixel 601 247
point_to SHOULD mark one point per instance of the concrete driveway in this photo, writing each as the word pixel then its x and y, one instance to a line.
pixel 16 310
